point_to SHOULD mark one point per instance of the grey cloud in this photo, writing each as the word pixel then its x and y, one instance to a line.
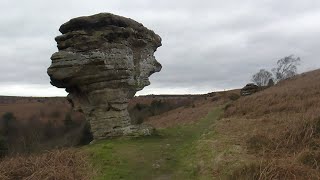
pixel 207 44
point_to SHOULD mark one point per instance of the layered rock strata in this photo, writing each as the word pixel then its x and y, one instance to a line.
pixel 103 60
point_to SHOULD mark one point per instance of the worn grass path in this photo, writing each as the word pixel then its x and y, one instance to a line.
pixel 173 154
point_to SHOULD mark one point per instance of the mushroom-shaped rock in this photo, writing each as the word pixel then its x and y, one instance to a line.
pixel 103 60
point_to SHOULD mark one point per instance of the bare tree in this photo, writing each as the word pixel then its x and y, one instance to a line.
pixel 262 77
pixel 286 68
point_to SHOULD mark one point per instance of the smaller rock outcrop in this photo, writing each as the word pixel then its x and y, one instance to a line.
pixel 249 89
pixel 103 60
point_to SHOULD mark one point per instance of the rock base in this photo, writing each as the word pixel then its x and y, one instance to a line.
pixel 130 131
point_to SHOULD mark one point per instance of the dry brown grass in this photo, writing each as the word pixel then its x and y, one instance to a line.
pixel 281 127
pixel 182 115
pixel 189 114
pixel 26 108
pixel 66 164
pixel 269 169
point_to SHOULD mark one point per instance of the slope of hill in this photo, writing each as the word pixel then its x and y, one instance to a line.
pixel 273 134
pixel 25 108
pixel 280 127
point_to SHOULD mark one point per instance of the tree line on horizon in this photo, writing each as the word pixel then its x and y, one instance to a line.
pixel 287 67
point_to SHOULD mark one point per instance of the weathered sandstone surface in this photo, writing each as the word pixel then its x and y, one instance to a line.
pixel 103 60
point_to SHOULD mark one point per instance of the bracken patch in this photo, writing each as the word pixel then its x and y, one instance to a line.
pixel 58 164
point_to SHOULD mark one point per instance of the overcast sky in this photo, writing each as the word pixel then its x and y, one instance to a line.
pixel 208 45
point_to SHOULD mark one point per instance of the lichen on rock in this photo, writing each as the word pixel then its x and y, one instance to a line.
pixel 103 60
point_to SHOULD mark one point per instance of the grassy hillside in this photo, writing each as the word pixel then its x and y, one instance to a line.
pixel 280 127
pixel 273 134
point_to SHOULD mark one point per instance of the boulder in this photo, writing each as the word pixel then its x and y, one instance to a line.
pixel 249 89
pixel 103 60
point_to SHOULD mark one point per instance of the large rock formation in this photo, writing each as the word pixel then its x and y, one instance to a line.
pixel 103 60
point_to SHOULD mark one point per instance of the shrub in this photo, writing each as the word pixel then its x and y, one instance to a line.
pixel 49 130
pixel 8 116
pixel 140 112
pixel 86 136
pixel 55 114
pixel 215 99
pixel 310 158
pixel 234 96
pixel 226 107
pixel 68 122
pixel 317 128
pixel 258 142
pixel 266 169
pixel 3 146
pixel 8 122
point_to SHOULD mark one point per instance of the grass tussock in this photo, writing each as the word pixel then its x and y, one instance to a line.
pixel 285 127
pixel 57 164
pixel 266 170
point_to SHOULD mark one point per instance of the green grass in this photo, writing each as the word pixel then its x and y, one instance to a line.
pixel 172 154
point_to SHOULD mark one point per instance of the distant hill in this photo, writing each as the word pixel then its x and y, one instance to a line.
pixel 25 108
